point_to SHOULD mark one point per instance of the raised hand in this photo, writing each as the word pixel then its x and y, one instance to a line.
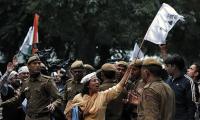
pixel 134 98
pixel 51 107
pixel 163 47
pixel 10 67
pixel 14 61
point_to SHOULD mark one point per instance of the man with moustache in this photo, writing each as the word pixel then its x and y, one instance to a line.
pixel 40 91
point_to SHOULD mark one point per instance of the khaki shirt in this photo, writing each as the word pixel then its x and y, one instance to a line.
pixel 71 89
pixel 39 92
pixel 136 86
pixel 157 102
pixel 114 107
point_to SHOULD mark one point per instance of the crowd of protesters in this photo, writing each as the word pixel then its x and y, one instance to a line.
pixel 141 89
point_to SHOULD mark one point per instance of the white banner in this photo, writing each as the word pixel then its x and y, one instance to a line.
pixel 162 24
pixel 137 53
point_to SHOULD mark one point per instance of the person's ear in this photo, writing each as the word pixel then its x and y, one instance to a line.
pixel 71 71
pixel 196 74
pixel 173 66
pixel 88 85
pixel 147 72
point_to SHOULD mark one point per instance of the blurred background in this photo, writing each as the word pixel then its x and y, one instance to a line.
pixel 95 31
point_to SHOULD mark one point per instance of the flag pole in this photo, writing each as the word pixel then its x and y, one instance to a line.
pixel 139 50
pixel 35 34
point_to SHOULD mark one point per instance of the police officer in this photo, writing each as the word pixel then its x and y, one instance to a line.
pixel 40 92
pixel 73 85
pixel 88 68
pixel 157 101
pixel 114 107
pixel 121 69
pixel 134 85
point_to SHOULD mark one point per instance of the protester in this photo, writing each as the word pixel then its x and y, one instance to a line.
pixel 182 86
pixel 58 113
pixel 40 92
pixel 92 102
pixel 157 101
pixel 23 73
pixel 194 72
pixel 57 79
pixel 10 85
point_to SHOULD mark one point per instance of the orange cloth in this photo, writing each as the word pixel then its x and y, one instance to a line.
pixel 93 107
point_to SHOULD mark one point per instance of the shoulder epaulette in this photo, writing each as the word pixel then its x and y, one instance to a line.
pixel 70 80
pixel 45 76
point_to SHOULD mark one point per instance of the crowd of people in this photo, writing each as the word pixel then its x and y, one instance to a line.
pixel 142 89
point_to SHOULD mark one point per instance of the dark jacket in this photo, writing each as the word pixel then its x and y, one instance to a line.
pixel 185 107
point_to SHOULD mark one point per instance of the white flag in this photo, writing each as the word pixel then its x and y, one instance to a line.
pixel 162 24
pixel 26 47
pixel 137 53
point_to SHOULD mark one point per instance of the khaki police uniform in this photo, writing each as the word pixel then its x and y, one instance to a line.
pixel 72 88
pixel 114 107
pixel 157 102
pixel 39 92
pixel 157 99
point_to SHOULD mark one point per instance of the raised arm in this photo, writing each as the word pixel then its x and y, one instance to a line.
pixel 125 78
pixel 163 51
pixel 4 79
pixel 113 92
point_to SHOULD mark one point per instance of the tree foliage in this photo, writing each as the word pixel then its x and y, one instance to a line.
pixel 85 28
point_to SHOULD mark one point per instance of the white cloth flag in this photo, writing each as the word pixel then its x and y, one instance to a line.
pixel 137 53
pixel 26 47
pixel 162 24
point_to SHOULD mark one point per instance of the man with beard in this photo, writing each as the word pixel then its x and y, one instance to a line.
pixel 134 85
pixel 121 69
pixel 157 101
pixel 39 90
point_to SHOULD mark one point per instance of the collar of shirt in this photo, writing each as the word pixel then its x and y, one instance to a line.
pixel 38 78
pixel 177 78
pixel 150 82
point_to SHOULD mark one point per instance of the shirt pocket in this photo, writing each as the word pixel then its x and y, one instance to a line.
pixel 37 93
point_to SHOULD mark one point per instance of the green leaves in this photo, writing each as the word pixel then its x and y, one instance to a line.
pixel 68 25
